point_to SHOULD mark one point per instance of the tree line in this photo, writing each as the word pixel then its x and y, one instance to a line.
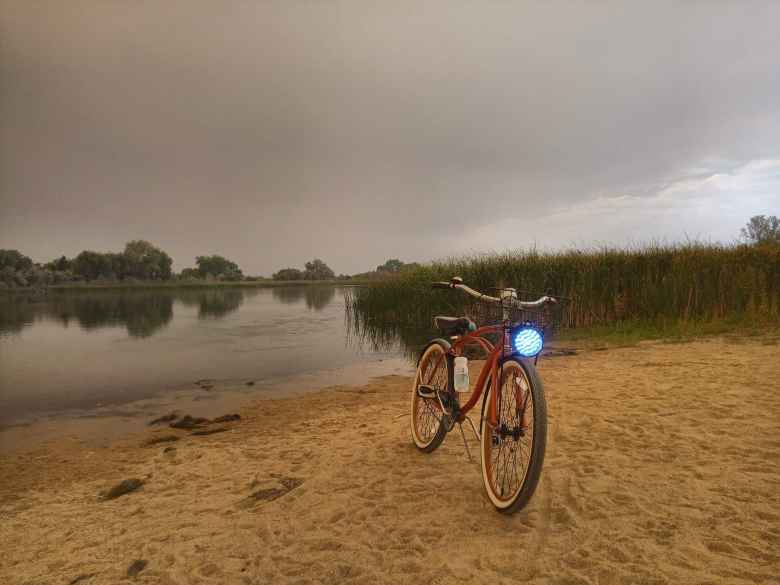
pixel 142 261
pixel 314 270
pixel 319 270
pixel 139 261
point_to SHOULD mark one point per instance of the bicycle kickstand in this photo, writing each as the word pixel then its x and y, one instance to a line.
pixel 465 443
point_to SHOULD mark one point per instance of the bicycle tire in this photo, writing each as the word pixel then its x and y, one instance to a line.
pixel 491 458
pixel 427 435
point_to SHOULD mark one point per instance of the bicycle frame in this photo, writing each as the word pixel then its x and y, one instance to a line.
pixel 489 369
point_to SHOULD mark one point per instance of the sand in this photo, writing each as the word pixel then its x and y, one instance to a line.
pixel 662 467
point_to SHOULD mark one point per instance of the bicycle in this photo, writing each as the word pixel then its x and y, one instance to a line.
pixel 513 420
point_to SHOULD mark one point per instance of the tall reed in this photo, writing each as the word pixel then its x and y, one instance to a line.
pixel 659 284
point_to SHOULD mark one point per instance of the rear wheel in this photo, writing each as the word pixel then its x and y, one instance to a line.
pixel 513 447
pixel 428 429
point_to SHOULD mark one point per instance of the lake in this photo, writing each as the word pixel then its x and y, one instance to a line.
pixel 99 352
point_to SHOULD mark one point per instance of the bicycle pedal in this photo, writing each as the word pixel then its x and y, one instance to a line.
pixel 425 391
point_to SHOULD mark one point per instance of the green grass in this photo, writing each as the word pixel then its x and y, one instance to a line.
pixel 631 333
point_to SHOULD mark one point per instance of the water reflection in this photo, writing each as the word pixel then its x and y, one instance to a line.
pixel 388 336
pixel 288 295
pixel 143 315
pixel 316 297
pixel 142 312
pixel 214 303
pixel 389 330
pixel 14 314
pixel 73 350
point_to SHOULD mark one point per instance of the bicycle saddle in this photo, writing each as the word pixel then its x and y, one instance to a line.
pixel 454 325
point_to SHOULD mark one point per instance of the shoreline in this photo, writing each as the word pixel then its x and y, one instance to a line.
pixel 203 398
pixel 649 477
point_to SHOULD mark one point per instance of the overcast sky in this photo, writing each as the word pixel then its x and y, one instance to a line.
pixel 275 132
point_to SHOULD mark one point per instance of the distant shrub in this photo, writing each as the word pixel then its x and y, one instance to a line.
pixel 318 270
pixel 218 268
pixel 288 274
pixel 15 260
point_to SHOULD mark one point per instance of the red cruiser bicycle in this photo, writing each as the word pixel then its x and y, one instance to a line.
pixel 513 422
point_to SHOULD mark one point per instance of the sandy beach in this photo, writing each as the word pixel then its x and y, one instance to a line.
pixel 662 467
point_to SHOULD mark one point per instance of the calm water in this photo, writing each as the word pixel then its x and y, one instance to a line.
pixel 91 349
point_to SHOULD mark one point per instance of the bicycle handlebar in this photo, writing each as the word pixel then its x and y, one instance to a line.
pixel 457 283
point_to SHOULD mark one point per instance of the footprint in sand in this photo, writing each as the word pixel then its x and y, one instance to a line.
pixel 269 494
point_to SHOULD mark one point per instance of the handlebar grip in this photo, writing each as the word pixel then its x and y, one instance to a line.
pixel 441 285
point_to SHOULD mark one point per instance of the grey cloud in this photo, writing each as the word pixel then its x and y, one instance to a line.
pixel 275 132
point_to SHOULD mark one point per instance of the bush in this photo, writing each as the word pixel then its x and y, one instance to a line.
pixel 15 260
pixel 218 268
pixel 318 270
pixel 288 274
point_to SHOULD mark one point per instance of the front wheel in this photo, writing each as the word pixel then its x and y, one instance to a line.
pixel 513 447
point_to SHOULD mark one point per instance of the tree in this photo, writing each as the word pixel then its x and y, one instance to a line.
pixel 218 267
pixel 189 273
pixel 15 260
pixel 140 259
pixel 92 265
pixel 145 261
pixel 317 270
pixel 392 265
pixel 762 229
pixel 288 274
pixel 8 276
pixel 61 264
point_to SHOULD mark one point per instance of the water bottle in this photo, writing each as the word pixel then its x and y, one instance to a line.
pixel 461 374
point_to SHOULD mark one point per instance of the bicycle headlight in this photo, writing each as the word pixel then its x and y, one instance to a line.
pixel 527 341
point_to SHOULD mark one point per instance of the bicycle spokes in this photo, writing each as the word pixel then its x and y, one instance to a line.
pixel 523 397
pixel 428 415
pixel 511 438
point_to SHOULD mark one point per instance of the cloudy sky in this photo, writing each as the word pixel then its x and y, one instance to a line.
pixel 274 132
